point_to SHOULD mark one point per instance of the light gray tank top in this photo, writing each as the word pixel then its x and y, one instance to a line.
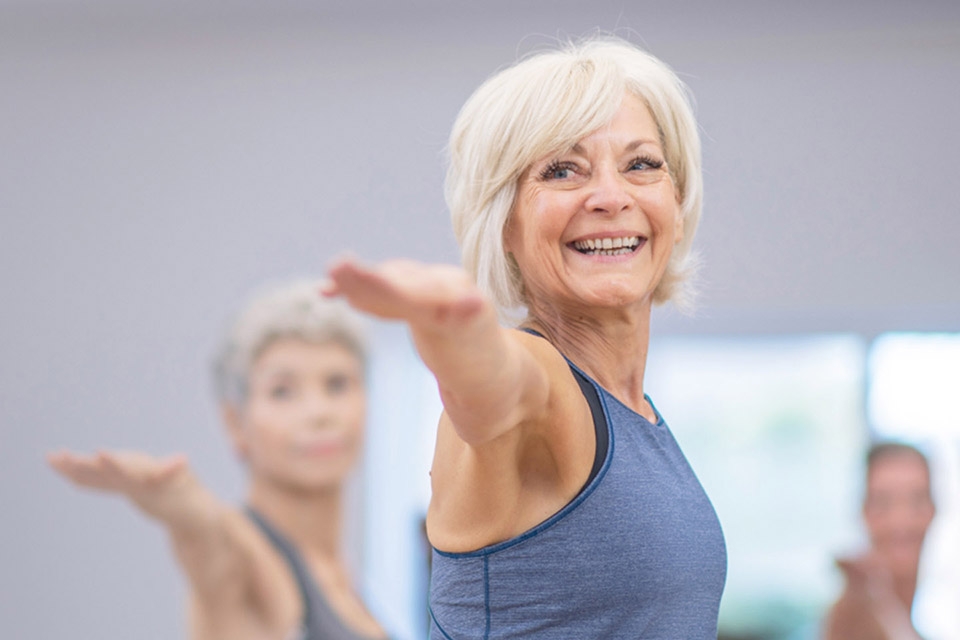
pixel 319 621
pixel 639 553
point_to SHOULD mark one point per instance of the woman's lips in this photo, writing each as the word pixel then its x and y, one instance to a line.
pixel 323 447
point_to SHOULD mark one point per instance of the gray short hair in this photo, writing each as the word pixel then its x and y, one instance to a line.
pixel 292 310
pixel 545 104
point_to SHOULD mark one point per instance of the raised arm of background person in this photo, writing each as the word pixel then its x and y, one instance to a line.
pixel 216 544
pixel 868 608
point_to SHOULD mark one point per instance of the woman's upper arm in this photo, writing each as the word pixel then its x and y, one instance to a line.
pixel 516 394
pixel 487 490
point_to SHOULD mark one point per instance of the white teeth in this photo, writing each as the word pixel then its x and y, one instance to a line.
pixel 607 246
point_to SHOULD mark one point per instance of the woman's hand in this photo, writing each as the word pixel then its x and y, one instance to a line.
pixel 870 601
pixel 160 487
pixel 226 560
pixel 423 295
pixel 867 578
pixel 485 375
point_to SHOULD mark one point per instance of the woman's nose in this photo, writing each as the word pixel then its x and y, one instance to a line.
pixel 609 192
pixel 318 407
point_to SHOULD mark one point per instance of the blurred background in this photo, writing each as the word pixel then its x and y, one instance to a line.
pixel 158 160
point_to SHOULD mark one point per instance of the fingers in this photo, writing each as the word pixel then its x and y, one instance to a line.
pixel 340 269
pixel 406 290
pixel 349 277
pixel 330 287
pixel 139 469
pixel 116 471
pixel 392 291
pixel 84 470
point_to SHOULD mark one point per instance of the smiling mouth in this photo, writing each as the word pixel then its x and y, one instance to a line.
pixel 322 447
pixel 608 246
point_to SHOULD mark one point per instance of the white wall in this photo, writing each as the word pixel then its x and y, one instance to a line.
pixel 160 159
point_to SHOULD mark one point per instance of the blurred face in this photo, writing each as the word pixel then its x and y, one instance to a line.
pixel 898 509
pixel 302 424
pixel 595 225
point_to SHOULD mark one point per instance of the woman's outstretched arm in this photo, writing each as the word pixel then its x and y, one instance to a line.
pixel 204 530
pixel 489 380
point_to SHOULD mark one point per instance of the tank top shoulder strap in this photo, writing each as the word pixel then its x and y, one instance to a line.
pixel 292 557
pixel 591 393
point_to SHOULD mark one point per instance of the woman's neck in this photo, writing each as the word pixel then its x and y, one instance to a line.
pixel 610 347
pixel 311 519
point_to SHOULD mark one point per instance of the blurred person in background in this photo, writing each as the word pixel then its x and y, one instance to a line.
pixel 880 584
pixel 290 379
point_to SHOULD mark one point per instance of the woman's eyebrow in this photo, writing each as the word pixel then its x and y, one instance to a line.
pixel 631 146
pixel 636 144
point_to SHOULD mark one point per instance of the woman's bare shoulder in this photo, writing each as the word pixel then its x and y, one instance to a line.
pixel 486 493
pixel 257 595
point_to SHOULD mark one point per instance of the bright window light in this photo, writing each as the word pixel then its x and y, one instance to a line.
pixel 914 382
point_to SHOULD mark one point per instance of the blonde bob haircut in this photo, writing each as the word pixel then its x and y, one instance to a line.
pixel 541 106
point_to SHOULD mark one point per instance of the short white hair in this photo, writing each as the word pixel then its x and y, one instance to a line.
pixel 545 104
pixel 292 310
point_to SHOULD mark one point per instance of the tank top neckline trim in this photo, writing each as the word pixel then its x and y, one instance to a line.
pixel 585 493
pixel 602 391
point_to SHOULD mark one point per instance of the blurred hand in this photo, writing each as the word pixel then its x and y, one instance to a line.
pixel 870 587
pixel 868 578
pixel 156 485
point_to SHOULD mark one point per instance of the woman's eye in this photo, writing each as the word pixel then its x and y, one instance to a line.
pixel 337 384
pixel 558 171
pixel 281 392
pixel 645 163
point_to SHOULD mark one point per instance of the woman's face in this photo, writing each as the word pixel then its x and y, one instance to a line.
pixel 595 226
pixel 898 509
pixel 302 424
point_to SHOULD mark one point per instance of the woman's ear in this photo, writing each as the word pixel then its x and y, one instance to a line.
pixel 233 423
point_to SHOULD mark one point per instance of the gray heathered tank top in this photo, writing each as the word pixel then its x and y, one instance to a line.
pixel 638 554
pixel 319 621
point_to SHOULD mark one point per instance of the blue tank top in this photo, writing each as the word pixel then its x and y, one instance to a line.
pixel 639 553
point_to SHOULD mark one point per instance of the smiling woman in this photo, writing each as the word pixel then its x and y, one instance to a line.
pixel 562 506
pixel 599 220
pixel 290 380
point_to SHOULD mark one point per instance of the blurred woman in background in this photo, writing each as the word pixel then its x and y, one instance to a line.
pixel 290 381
